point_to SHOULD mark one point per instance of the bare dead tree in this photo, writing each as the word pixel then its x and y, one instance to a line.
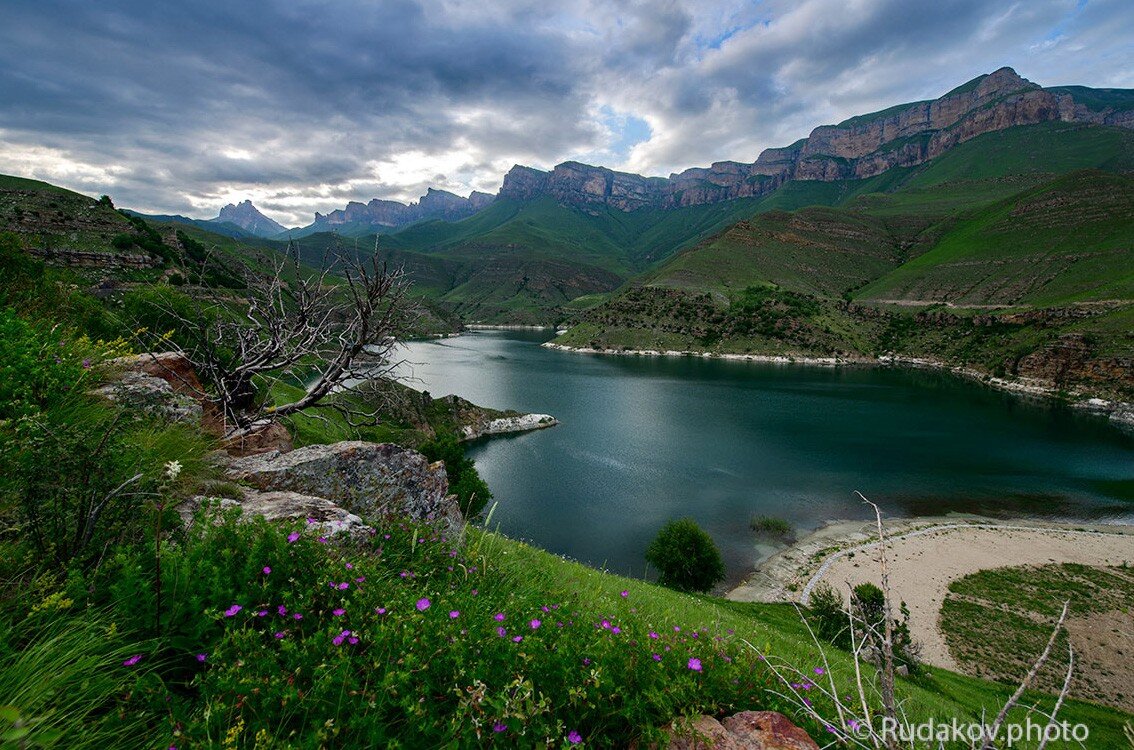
pixel 331 329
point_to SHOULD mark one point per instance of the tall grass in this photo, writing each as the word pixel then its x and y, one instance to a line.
pixel 63 682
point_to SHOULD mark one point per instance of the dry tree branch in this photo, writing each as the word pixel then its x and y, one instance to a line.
pixel 992 732
pixel 886 674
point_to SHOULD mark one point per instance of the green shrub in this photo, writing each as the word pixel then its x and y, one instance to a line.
pixel 472 492
pixel 122 241
pixel 829 618
pixel 37 366
pixel 686 557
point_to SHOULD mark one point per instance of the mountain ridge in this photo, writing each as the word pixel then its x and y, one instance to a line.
pixel 904 135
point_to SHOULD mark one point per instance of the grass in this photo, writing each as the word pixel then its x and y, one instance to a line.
pixel 62 683
pixel 995 621
pixel 771 526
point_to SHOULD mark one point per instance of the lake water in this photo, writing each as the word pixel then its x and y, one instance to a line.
pixel 645 440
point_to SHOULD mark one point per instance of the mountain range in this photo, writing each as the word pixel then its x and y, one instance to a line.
pixel 992 225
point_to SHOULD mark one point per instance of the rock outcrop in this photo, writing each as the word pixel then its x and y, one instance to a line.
pixel 371 480
pixel 748 730
pixel 319 514
pixel 164 384
pixel 505 425
pixel 865 146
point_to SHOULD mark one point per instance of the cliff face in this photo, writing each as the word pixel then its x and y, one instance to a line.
pixel 903 136
pixel 382 214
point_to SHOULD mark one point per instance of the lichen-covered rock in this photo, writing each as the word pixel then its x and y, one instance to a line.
pixel 747 730
pixel 320 516
pixel 372 480
pixel 152 395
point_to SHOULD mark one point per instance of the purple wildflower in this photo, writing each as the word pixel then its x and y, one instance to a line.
pixel 267 570
pixel 132 660
pixel 338 612
pixel 574 737
pixel 422 604
pixel 453 615
pixel 625 594
pixel 694 664
pixel 499 617
pixel 535 624
pixel 201 657
pixel 231 611
pixel 292 537
pixel 499 727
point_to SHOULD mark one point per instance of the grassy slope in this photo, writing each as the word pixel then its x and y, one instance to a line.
pixel 778 630
pixel 1068 240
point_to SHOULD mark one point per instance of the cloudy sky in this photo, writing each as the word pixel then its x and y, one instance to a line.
pixel 302 105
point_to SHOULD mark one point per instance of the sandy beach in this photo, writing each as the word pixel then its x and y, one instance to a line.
pixel 925 556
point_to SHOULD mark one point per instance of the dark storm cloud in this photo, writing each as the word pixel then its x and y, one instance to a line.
pixel 304 105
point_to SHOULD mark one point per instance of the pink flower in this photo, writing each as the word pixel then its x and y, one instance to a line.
pixel 616 630
pixel 267 570
pixel 535 624
pixel 292 537
pixel 454 614
pixel 280 635
pixel 422 604
pixel 231 611
pixel 499 617
pixel 574 737
pixel 625 594
pixel 657 657
pixel 499 727
pixel 132 660
pixel 819 670
pixel 343 586
pixel 381 610
pixel 501 632
pixel 517 639
pixel 695 664
pixel 653 635
pixel 339 612
pixel 201 657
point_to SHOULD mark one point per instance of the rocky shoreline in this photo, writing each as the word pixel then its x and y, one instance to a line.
pixel 507 425
pixel 1120 413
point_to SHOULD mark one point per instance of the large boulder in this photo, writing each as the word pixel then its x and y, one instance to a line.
pixel 372 480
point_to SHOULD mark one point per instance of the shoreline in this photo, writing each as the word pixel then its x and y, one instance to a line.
pixel 792 572
pixel 506 327
pixel 925 556
pixel 1120 413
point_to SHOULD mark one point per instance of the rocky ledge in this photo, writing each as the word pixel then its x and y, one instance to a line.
pixel 370 480
pixel 504 425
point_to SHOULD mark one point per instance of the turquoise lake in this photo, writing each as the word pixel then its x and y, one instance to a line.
pixel 644 440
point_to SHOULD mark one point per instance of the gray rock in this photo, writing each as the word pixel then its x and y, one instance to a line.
pixel 320 515
pixel 372 480
pixel 151 394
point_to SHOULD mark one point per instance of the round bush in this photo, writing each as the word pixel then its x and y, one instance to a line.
pixel 686 557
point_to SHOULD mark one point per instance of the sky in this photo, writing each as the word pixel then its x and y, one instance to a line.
pixel 302 106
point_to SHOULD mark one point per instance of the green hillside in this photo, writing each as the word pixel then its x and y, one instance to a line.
pixel 1069 240
pixel 1012 253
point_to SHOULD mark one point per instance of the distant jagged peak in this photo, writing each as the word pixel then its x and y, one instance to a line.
pixel 248 217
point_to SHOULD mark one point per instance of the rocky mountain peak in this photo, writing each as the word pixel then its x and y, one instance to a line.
pixel 248 217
